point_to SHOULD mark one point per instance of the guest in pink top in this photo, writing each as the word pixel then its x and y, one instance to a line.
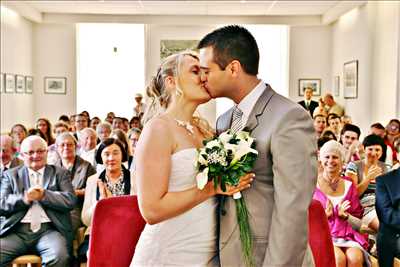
pixel 340 199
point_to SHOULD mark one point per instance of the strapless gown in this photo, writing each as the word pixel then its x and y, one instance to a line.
pixel 189 239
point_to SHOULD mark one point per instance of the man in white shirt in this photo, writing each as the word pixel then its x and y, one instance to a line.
pixel 88 143
pixel 36 200
pixel 140 107
pixel 7 154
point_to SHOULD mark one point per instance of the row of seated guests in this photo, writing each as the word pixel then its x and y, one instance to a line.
pixel 62 196
pixel 348 195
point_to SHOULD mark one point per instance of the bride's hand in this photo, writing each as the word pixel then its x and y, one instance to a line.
pixel 244 183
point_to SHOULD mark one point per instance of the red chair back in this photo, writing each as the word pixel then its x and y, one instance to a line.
pixel 116 228
pixel 320 236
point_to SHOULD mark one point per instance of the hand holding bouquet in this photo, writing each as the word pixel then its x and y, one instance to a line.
pixel 224 160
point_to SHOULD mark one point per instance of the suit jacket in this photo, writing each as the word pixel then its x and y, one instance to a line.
pixel 313 105
pixel 278 199
pixel 58 200
pixel 388 210
pixel 81 171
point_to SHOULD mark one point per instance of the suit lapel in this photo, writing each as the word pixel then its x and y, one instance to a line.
pixel 46 176
pixel 24 174
pixel 259 108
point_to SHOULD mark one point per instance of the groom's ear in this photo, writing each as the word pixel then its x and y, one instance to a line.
pixel 234 68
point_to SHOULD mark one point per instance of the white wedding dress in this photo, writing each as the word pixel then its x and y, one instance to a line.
pixel 189 239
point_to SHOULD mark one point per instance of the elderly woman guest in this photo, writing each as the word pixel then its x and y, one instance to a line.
pixel 44 126
pixel 364 172
pixel 115 180
pixel 339 197
pixel 79 168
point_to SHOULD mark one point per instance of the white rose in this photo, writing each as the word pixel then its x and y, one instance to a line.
pixel 242 135
pixel 202 159
pixel 202 179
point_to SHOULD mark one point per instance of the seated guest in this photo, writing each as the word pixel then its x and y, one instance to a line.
pixel 345 119
pixel 319 124
pixel 364 173
pixel 392 133
pixel 79 169
pixel 125 126
pixel 8 159
pixel 134 135
pixel 135 123
pixel 44 126
pixel 320 110
pixel 103 131
pixel 94 122
pixel 340 199
pixel 86 114
pixel 88 144
pixel 331 106
pixel 349 139
pixel 36 200
pixel 52 154
pixel 72 120
pixel 388 211
pixel 309 104
pixel 81 122
pixel 334 124
pixel 117 123
pixel 109 118
pixel 18 133
pixel 329 133
pixel 65 119
pixel 115 180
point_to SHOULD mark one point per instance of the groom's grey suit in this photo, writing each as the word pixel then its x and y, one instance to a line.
pixel 278 199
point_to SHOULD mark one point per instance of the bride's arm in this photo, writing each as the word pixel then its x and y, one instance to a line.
pixel 153 165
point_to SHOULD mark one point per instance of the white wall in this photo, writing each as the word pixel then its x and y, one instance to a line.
pixel 54 55
pixel 310 57
pixel 369 34
pixel 16 58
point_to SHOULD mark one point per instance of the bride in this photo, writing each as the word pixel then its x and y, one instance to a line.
pixel 181 220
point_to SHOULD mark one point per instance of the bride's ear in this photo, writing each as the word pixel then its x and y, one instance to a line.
pixel 170 84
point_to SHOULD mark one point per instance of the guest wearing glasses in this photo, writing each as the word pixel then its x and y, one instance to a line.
pixel 36 200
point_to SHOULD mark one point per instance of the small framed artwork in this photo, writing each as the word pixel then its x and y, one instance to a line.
pixel 55 85
pixel 336 85
pixel 350 79
pixel 9 83
pixel 1 82
pixel 20 84
pixel 28 84
pixel 314 84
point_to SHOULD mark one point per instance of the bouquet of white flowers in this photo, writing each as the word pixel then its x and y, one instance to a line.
pixel 224 159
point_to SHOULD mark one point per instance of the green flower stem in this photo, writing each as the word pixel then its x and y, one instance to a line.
pixel 245 231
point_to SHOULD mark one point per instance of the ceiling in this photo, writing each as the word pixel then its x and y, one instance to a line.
pixel 147 7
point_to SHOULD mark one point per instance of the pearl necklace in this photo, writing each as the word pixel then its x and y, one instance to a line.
pixel 189 127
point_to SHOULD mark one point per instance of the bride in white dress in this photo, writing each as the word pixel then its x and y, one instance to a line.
pixel 181 220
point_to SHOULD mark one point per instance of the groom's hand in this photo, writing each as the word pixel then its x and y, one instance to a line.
pixel 243 184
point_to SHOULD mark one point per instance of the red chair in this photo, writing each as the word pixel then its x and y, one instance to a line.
pixel 320 236
pixel 116 228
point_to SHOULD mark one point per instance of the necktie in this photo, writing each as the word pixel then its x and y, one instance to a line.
pixel 35 209
pixel 307 105
pixel 236 120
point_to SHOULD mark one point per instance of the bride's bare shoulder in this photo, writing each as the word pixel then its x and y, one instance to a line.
pixel 158 125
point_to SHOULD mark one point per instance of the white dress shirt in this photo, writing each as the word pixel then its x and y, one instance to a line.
pixel 43 215
pixel 88 155
pixel 247 104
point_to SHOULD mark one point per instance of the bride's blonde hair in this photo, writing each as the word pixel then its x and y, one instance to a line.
pixel 159 98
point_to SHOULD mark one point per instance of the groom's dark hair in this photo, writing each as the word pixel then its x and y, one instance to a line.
pixel 233 43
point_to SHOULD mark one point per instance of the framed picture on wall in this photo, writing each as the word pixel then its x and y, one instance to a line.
pixel 55 85
pixel 314 84
pixel 336 85
pixel 20 84
pixel 169 47
pixel 9 83
pixel 29 84
pixel 350 79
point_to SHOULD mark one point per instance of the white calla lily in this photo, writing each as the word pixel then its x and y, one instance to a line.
pixel 243 149
pixel 242 135
pixel 202 159
pixel 202 179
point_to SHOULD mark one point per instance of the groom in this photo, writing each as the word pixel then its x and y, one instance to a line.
pixel 286 169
